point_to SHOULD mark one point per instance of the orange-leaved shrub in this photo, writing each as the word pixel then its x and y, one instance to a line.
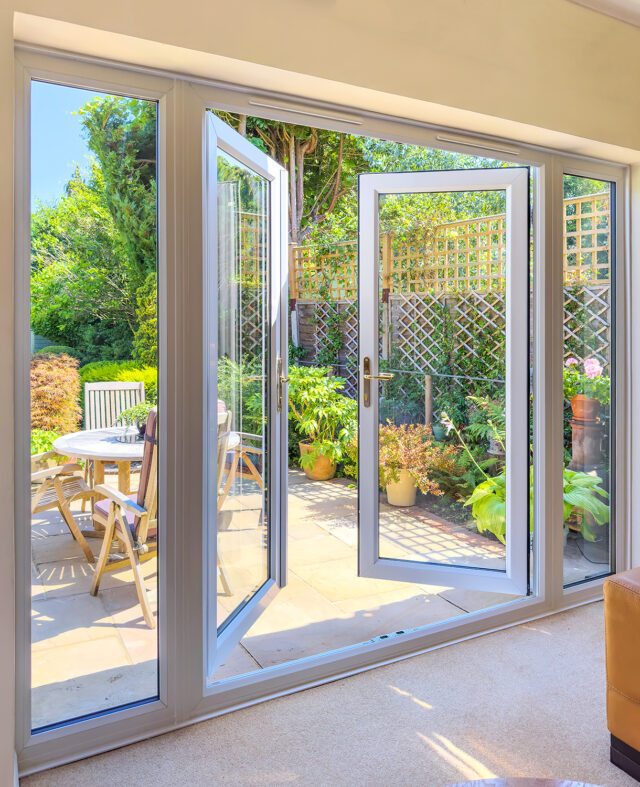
pixel 55 389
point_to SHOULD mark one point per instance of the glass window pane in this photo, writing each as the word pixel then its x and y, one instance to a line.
pixel 94 380
pixel 589 276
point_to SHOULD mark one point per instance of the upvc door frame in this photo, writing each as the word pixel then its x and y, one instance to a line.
pixel 139 718
pixel 220 136
pixel 185 697
pixel 514 181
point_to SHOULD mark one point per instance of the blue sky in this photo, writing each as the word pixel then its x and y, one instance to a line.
pixel 57 140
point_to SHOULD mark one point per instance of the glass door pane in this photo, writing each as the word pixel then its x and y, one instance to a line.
pixel 449 285
pixel 243 364
pixel 589 364
pixel 246 265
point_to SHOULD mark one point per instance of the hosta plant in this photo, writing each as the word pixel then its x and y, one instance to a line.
pixel 581 492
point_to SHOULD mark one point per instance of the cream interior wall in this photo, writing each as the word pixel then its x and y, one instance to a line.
pixel 546 64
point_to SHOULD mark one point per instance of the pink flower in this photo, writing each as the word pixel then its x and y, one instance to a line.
pixel 446 422
pixel 592 368
pixel 571 362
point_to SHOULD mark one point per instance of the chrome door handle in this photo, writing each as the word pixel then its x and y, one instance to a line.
pixel 367 377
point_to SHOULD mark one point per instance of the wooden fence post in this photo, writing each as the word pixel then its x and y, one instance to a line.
pixel 428 399
pixel 293 297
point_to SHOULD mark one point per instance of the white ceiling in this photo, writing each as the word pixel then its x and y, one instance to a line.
pixel 625 10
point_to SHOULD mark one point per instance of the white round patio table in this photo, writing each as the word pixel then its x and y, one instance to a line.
pixel 104 447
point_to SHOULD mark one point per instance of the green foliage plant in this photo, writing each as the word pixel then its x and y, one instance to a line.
pixel 581 493
pixel 240 386
pixel 136 415
pixel 488 421
pixel 42 440
pixel 145 337
pixel 327 418
pixel 55 386
pixel 411 447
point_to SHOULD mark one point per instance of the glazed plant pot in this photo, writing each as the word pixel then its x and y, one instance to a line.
pixel 402 492
pixel 322 469
pixel 585 408
pixel 438 431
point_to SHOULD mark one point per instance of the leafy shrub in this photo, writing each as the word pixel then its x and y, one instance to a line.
pixel 240 388
pixel 145 338
pixel 122 371
pixel 55 386
pixel 42 440
pixel 59 349
pixel 411 447
pixel 327 418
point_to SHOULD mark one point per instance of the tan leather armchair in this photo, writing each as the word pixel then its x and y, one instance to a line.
pixel 622 639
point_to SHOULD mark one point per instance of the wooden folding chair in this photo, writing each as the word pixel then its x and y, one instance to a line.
pixel 103 403
pixel 57 486
pixel 132 521
pixel 245 462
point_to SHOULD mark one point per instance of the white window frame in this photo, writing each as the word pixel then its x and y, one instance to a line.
pixel 185 696
pixel 514 181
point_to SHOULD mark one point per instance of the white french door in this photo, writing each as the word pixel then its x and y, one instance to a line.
pixel 246 449
pixel 424 549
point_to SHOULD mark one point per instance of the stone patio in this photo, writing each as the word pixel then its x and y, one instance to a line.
pixel 91 654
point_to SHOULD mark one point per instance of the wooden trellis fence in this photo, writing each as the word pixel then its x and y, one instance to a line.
pixel 456 272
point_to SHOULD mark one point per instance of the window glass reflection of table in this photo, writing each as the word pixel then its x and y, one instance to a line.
pixel 116 445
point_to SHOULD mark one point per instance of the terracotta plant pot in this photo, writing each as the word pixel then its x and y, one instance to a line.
pixel 585 408
pixel 322 469
pixel 402 492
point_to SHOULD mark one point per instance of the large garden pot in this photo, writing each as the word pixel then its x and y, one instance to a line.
pixel 585 408
pixel 403 491
pixel 322 469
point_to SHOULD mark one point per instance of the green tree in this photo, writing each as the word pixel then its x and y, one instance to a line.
pixel 94 250
pixel 145 342
pixel 122 135
pixel 79 291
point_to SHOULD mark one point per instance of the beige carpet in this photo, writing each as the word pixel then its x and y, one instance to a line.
pixel 528 701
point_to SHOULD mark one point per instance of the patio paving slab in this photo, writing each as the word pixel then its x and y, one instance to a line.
pixel 338 580
pixel 396 611
pixel 79 659
pixel 315 549
pixel 239 662
pixel 93 691
pixel 475 600
pixel 56 622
